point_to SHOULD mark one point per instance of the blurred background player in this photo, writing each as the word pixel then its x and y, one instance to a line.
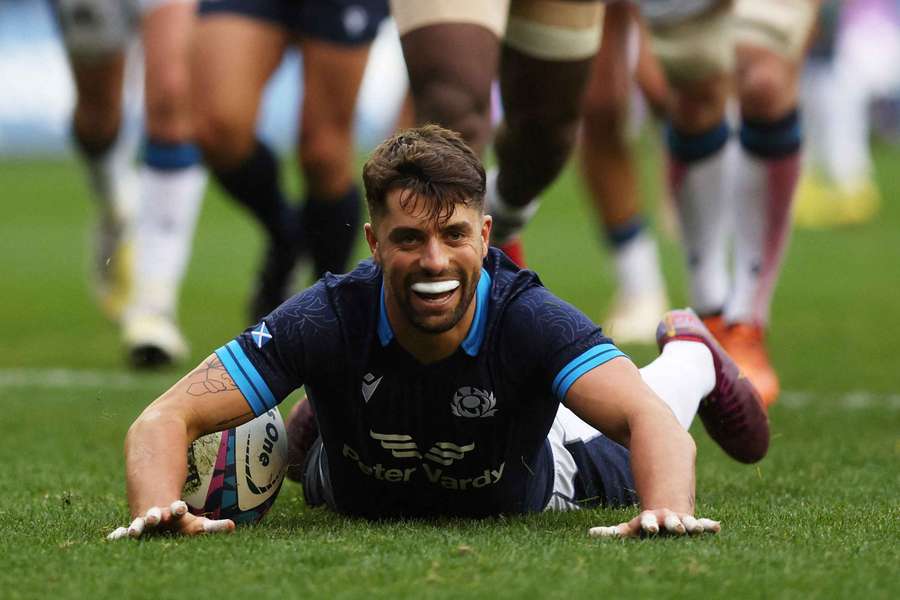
pixel 542 52
pixel 742 190
pixel 854 60
pixel 171 179
pixel 172 185
pixel 238 45
pixel 96 36
pixel 610 171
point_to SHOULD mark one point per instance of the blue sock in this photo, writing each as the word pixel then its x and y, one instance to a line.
pixel 165 156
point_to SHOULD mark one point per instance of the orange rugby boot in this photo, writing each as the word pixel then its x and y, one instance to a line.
pixel 745 342
pixel 716 325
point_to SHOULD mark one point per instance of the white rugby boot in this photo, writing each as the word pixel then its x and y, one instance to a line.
pixel 633 319
pixel 153 341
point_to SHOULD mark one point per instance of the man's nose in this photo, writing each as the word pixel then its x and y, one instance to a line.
pixel 434 258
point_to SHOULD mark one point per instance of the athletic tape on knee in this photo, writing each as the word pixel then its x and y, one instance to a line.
pixel 555 30
pixel 410 15
pixel 780 26
pixel 552 43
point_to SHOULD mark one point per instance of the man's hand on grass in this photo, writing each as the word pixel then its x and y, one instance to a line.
pixel 174 517
pixel 660 521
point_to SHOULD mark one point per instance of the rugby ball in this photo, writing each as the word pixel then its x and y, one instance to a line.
pixel 237 473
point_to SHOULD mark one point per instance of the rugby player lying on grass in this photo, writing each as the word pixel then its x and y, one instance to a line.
pixel 443 380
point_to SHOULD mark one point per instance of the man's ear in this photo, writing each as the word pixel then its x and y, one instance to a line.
pixel 487 223
pixel 372 241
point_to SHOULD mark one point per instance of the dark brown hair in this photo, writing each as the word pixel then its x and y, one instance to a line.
pixel 433 166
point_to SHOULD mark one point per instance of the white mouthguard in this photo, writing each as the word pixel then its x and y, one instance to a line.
pixel 435 287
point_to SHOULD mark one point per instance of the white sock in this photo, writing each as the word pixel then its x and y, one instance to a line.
pixel 817 84
pixel 682 375
pixel 848 158
pixel 509 221
pixel 170 204
pixel 701 191
pixel 113 181
pixel 765 190
pixel 637 266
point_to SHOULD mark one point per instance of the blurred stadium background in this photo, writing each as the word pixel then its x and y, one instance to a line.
pixel 818 518
pixel 37 94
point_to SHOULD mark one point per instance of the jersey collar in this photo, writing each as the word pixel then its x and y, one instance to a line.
pixel 472 342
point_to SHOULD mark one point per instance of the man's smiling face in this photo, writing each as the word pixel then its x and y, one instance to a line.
pixel 431 267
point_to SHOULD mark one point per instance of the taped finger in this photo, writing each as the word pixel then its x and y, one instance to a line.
pixel 649 523
pixel 710 526
pixel 691 524
pixel 179 508
pixel 604 532
pixel 153 516
pixel 210 526
pixel 118 533
pixel 673 524
pixel 136 528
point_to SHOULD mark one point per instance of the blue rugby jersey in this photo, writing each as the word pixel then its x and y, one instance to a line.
pixel 465 436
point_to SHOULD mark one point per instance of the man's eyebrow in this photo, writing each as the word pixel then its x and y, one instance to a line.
pixel 458 226
pixel 401 232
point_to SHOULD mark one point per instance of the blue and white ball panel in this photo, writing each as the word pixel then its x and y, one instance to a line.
pixel 263 447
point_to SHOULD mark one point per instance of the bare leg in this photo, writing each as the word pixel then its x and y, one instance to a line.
pixel 332 76
pixel 453 89
pixel 172 182
pixel 768 171
pixel 609 170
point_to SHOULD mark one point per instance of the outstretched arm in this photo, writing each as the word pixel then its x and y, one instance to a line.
pixel 614 399
pixel 203 401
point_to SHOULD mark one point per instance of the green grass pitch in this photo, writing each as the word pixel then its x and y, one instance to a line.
pixel 818 518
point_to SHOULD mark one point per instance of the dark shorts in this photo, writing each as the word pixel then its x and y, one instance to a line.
pixel 347 22
pixel 316 489
pixel 604 475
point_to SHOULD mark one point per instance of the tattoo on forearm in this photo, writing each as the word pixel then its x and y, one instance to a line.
pixel 210 378
pixel 229 422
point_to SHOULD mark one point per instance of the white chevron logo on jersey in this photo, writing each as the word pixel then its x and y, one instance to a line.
pixel 369 385
pixel 446 453
pixel 403 446
pixel 400 445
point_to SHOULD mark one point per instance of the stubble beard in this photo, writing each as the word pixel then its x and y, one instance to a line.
pixel 467 293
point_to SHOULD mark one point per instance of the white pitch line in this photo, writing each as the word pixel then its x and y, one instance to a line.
pixel 84 379
pixel 856 400
pixel 61 378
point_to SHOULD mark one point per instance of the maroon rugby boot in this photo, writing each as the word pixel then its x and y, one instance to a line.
pixel 732 413
pixel 302 431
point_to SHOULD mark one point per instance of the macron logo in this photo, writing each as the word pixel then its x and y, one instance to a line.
pixel 369 385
